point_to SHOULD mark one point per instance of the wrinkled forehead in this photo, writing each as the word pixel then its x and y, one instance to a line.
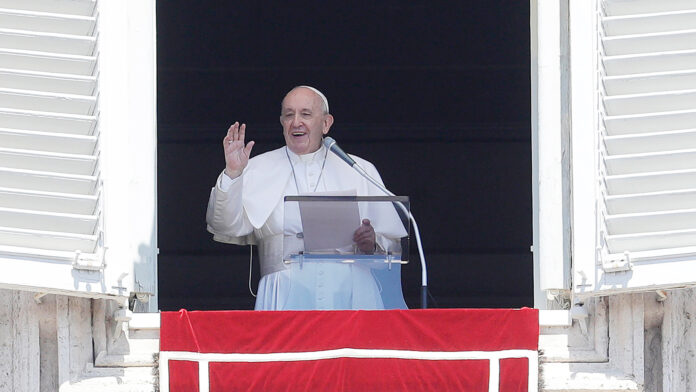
pixel 304 97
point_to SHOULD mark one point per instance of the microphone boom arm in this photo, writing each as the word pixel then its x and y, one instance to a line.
pixel 424 269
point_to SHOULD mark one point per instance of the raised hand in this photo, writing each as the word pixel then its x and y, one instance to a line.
pixel 236 153
pixel 364 237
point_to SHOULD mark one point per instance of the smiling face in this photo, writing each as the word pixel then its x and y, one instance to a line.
pixel 304 120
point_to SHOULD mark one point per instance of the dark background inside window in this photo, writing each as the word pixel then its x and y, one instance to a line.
pixel 435 94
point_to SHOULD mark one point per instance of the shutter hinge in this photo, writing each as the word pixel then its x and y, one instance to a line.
pixel 617 263
pixel 89 262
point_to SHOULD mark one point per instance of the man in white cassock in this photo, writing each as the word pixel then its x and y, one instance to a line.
pixel 247 206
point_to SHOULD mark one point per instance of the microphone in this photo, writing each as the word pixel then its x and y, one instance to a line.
pixel 330 143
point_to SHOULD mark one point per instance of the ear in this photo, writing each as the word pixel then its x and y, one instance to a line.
pixel 328 122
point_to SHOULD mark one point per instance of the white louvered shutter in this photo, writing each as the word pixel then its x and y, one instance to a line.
pixel 646 148
pixel 66 121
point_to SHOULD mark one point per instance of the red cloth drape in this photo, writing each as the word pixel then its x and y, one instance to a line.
pixel 430 330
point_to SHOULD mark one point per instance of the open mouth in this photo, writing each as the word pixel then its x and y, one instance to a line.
pixel 298 134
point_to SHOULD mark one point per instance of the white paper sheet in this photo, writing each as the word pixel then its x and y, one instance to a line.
pixel 328 226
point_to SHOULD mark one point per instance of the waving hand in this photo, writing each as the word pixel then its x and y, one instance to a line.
pixel 236 153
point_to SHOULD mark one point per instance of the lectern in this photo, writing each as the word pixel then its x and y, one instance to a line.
pixel 327 269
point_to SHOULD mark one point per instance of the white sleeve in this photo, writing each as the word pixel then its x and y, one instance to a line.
pixel 226 215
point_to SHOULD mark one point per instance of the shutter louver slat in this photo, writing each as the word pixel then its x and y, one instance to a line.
pixel 652 222
pixel 46 121
pixel 72 7
pixel 46 240
pixel 650 23
pixel 49 165
pixel 47 82
pixel 645 83
pixel 46 62
pixel 651 202
pixel 47 42
pixel 648 43
pixel 47 22
pixel 651 142
pixel 649 127
pixel 48 162
pixel 650 182
pixel 47 102
pixel 676 241
pixel 48 201
pixel 649 62
pixel 48 181
pixel 49 221
pixel 644 103
pixel 47 141
pixel 650 162
pixel 650 122
pixel 638 7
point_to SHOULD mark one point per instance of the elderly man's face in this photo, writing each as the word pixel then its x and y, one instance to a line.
pixel 304 122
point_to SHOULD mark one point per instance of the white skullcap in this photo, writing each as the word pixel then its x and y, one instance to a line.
pixel 323 98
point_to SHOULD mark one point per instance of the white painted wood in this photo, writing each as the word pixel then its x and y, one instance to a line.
pixel 650 82
pixel 47 102
pixel 638 7
pixel 540 297
pixel 658 161
pixel 549 124
pixel 47 82
pixel 48 122
pixel 652 102
pixel 47 42
pixel 47 22
pixel 637 243
pixel 36 180
pixel 652 222
pixel 48 161
pixel 48 221
pixel 584 138
pixel 652 22
pixel 48 62
pixel 68 203
pixel 651 202
pixel 143 106
pixel 50 240
pixel 651 142
pixel 127 85
pixel 50 214
pixel 680 60
pixel 673 180
pixel 650 122
pixel 663 41
pixel 76 7
pixel 98 165
pixel 48 141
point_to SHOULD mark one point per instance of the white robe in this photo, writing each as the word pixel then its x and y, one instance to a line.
pixel 251 210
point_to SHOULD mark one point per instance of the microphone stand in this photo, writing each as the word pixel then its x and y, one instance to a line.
pixel 424 269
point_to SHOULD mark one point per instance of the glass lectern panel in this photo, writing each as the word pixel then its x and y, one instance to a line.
pixel 346 252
